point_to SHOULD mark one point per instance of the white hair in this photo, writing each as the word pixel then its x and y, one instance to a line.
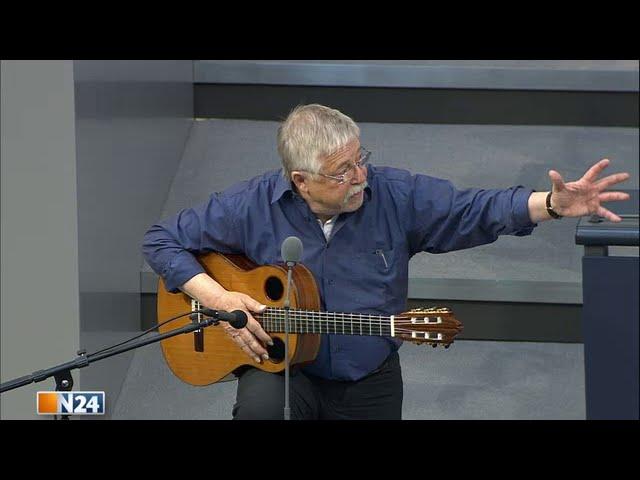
pixel 310 132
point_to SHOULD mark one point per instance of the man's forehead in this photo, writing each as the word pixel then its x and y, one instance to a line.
pixel 346 151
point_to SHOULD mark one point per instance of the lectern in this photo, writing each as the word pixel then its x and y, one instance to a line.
pixel 610 312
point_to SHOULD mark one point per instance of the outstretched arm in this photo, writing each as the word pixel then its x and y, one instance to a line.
pixel 579 198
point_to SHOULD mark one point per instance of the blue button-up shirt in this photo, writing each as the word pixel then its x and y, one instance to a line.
pixel 363 268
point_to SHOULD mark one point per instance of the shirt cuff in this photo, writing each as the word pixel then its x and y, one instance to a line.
pixel 179 270
pixel 521 219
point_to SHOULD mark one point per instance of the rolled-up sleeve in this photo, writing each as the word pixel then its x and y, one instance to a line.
pixel 170 246
pixel 446 219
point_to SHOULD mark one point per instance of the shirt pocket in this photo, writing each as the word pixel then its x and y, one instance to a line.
pixel 376 269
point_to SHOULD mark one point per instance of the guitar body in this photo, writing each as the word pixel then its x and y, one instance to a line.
pixel 221 355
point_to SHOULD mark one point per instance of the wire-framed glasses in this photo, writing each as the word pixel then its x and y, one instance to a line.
pixel 348 173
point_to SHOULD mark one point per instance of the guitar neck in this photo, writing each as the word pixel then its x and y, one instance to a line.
pixel 306 321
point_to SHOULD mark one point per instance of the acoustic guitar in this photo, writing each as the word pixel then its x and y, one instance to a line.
pixel 209 355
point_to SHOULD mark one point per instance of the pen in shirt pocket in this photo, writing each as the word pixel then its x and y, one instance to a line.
pixel 384 259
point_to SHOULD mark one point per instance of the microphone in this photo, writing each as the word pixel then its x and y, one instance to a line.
pixel 237 318
pixel 291 252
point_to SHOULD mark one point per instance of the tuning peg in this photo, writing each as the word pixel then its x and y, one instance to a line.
pixel 447 345
pixel 434 345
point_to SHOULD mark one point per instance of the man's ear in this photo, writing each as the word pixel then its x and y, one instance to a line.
pixel 300 181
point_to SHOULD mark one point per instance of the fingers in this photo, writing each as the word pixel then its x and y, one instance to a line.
pixel 594 171
pixel 252 304
pixel 608 197
pixel 257 330
pixel 556 180
pixel 253 326
pixel 613 196
pixel 603 212
pixel 249 337
pixel 248 343
pixel 612 180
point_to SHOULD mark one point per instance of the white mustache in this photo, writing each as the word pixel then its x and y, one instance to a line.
pixel 355 190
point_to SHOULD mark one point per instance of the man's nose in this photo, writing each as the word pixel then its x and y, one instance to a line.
pixel 359 175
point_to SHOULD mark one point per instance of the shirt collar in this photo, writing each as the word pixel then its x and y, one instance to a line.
pixel 282 186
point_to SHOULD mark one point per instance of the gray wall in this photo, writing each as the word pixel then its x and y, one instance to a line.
pixel 563 75
pixel 40 312
pixel 487 124
pixel 544 267
pixel 493 123
pixel 132 122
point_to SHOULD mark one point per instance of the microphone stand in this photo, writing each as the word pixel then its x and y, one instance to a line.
pixel 291 251
pixel 287 306
pixel 62 372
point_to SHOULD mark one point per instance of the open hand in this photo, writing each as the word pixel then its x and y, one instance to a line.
pixel 585 196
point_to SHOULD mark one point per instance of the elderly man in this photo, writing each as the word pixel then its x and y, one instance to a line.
pixel 360 224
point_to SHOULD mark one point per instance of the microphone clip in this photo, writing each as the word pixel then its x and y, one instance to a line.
pixel 206 322
pixel 237 318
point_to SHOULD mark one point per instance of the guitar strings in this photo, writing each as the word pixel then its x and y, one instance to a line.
pixel 305 320
pixel 347 324
pixel 312 317
pixel 281 311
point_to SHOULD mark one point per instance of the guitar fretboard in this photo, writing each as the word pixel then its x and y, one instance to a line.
pixel 306 321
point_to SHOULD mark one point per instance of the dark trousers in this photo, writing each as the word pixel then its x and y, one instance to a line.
pixel 378 396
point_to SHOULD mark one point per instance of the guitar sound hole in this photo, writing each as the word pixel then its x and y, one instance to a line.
pixel 274 288
pixel 276 352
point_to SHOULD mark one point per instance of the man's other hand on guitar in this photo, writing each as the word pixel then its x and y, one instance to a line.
pixel 252 337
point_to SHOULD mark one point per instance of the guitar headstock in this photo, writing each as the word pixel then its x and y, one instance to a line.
pixel 435 325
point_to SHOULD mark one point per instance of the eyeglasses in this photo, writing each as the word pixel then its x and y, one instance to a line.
pixel 348 172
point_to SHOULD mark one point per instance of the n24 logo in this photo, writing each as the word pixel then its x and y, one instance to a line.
pixel 70 403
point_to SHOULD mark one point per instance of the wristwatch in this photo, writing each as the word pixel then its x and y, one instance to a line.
pixel 550 210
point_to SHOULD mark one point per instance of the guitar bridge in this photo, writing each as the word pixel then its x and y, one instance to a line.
pixel 198 335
